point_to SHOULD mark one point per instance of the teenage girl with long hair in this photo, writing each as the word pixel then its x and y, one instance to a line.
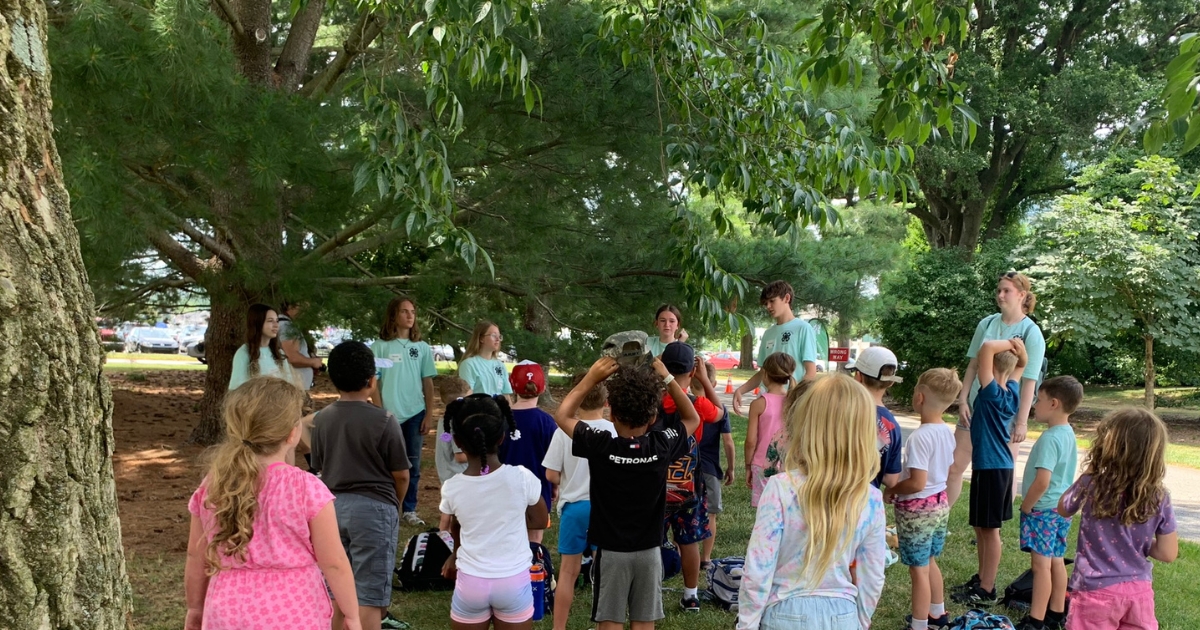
pixel 261 355
pixel 490 503
pixel 668 321
pixel 406 388
pixel 264 537
pixel 765 422
pixel 817 518
pixel 480 367
pixel 1127 519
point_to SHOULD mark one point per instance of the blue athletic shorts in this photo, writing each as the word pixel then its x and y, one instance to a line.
pixel 573 527
pixel 1045 533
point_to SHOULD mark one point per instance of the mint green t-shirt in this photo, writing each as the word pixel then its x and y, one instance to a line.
pixel 655 346
pixel 1057 452
pixel 401 385
pixel 485 376
pixel 266 367
pixel 992 328
pixel 795 338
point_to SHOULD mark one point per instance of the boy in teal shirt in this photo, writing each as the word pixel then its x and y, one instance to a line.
pixel 790 335
pixel 1049 471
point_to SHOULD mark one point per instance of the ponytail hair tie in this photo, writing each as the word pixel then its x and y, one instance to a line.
pixel 446 437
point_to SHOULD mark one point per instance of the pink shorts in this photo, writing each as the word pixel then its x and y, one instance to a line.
pixel 1127 606
pixel 758 481
pixel 477 600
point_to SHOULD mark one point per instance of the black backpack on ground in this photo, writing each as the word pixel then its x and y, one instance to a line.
pixel 421 567
pixel 541 555
pixel 1019 594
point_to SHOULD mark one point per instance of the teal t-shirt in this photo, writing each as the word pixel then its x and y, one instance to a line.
pixel 655 346
pixel 266 367
pixel 485 376
pixel 795 338
pixel 401 385
pixel 991 328
pixel 1057 452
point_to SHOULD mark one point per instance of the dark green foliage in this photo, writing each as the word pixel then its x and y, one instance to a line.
pixel 937 302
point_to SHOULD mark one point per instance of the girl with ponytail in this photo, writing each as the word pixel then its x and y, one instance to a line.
pixel 264 536
pixel 490 504
pixel 536 428
pixel 765 424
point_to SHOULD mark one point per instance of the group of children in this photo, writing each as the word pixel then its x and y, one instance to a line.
pixel 823 457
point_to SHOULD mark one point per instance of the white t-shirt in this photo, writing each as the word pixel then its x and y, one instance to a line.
pixel 576 476
pixel 491 510
pixel 288 331
pixel 929 448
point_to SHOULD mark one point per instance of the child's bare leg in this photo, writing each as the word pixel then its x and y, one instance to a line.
pixel 1042 585
pixel 568 571
pixel 689 555
pixel 707 543
pixel 920 592
pixel 988 546
pixel 640 625
pixel 937 588
pixel 520 625
pixel 1058 585
pixel 371 617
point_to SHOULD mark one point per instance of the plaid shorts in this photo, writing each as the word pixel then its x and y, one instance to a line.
pixel 1045 533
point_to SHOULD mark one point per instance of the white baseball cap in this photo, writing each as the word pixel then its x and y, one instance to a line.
pixel 872 361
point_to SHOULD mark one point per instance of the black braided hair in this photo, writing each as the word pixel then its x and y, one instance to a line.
pixel 479 421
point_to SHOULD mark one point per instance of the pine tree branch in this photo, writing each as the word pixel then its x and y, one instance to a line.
pixel 160 284
pixel 349 232
pixel 366 244
pixel 229 15
pixel 372 281
pixel 200 238
pixel 369 26
pixel 293 59
pixel 174 251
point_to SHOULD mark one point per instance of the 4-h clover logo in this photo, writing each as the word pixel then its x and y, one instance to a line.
pixel 413 353
pixel 499 371
pixel 787 336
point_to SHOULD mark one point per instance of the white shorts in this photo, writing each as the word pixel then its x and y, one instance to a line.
pixel 477 600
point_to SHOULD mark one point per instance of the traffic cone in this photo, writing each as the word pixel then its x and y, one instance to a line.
pixel 755 391
pixel 729 386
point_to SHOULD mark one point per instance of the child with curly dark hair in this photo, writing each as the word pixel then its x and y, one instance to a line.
pixel 491 505
pixel 628 486
pixel 1127 519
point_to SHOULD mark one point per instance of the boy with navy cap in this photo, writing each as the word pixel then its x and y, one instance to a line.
pixel 689 523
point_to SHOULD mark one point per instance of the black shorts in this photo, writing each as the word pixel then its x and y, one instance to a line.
pixel 991 498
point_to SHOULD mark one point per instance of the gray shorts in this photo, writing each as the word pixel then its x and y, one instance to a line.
pixel 627 583
pixel 712 493
pixel 369 530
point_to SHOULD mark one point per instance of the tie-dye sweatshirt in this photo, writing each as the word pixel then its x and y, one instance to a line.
pixel 774 555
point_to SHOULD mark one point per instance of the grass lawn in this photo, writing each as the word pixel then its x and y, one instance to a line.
pixel 158 578
pixel 1100 397
pixel 152 356
pixel 139 368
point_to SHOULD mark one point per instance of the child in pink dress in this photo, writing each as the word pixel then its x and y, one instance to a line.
pixel 263 532
pixel 766 421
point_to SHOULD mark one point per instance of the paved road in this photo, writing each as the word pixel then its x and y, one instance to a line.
pixel 1182 482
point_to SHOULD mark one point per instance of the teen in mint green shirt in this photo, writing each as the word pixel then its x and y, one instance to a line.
pixel 667 322
pixel 480 368
pixel 401 385
pixel 992 328
pixel 794 338
pixel 1057 452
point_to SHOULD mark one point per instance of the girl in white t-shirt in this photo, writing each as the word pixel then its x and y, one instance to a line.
pixel 490 504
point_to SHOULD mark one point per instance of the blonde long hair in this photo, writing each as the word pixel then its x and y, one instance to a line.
pixel 833 446
pixel 476 339
pixel 259 417
pixel 1127 463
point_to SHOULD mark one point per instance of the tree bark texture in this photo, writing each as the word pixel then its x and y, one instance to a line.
pixel 747 358
pixel 1149 372
pixel 226 331
pixel 61 563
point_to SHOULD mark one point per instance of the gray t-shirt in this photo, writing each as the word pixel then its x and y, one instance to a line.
pixel 355 447
pixel 288 332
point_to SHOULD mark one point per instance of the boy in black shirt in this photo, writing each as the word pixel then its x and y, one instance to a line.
pixel 628 487
pixel 359 451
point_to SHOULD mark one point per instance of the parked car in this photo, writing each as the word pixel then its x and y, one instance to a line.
pixel 145 339
pixel 191 335
pixel 196 351
pixel 727 360
pixel 442 352
pixel 323 346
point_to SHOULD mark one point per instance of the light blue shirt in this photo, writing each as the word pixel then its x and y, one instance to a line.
pixel 795 338
pixel 266 367
pixel 401 385
pixel 654 346
pixel 992 328
pixel 485 376
pixel 1057 452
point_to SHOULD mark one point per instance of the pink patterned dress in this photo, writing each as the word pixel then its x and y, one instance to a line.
pixel 280 585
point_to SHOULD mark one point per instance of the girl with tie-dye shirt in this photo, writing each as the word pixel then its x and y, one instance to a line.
pixel 817 518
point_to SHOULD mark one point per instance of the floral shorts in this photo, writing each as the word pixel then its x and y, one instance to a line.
pixel 1045 533
pixel 921 528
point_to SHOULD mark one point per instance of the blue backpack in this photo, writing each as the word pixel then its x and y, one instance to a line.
pixel 725 580
pixel 976 619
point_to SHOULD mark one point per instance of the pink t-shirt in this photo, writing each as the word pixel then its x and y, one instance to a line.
pixel 1108 552
pixel 279 585
pixel 770 425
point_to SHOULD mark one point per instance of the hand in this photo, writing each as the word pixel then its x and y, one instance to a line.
pixel 1018 345
pixel 729 476
pixel 749 479
pixel 888 496
pixel 964 413
pixel 353 624
pixel 449 570
pixel 603 368
pixel 1026 510
pixel 737 402
pixel 700 371
pixel 659 368
pixel 194 618
pixel 1019 432
pixel 681 335
pixel 425 424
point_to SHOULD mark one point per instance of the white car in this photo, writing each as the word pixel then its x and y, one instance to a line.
pixel 145 339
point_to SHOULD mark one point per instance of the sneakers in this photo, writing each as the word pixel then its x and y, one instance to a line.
pixel 1028 624
pixel 690 604
pixel 962 588
pixel 411 518
pixel 391 623
pixel 934 622
pixel 975 596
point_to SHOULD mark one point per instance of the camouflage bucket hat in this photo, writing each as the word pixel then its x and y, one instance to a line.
pixel 628 348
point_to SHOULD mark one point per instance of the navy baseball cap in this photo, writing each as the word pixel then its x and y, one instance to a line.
pixel 679 358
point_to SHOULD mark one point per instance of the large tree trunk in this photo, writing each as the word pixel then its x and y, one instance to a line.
pixel 226 331
pixel 61 564
pixel 1149 372
pixel 747 360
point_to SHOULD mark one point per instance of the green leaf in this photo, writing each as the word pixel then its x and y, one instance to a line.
pixel 439 32
pixel 484 9
pixel 416 25
pixel 1192 138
